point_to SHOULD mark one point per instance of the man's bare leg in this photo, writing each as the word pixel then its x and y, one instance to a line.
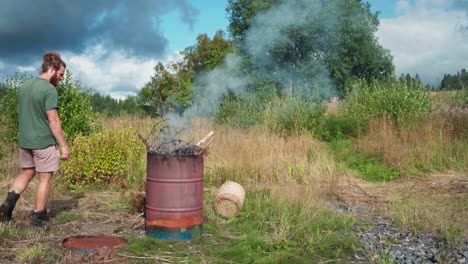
pixel 43 189
pixel 22 180
pixel 39 215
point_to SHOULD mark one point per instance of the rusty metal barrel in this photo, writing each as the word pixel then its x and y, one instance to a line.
pixel 174 196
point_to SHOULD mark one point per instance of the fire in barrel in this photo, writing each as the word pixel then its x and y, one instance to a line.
pixel 174 189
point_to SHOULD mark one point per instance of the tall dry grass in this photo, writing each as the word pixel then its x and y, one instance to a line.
pixel 437 141
pixel 142 123
pixel 255 157
pixel 295 168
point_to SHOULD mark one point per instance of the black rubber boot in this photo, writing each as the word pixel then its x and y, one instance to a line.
pixel 6 209
pixel 39 219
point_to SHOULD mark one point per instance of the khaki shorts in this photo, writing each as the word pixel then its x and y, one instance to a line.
pixel 43 160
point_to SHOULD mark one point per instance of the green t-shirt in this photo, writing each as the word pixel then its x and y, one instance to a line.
pixel 35 97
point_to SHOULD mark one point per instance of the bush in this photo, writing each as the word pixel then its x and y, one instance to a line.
pixel 289 115
pixel 339 126
pixel 240 112
pixel 395 99
pixel 76 113
pixel 9 108
pixel 107 158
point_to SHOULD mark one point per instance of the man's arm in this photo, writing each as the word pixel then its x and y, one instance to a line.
pixel 56 128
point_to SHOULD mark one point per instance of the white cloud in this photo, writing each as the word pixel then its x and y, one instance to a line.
pixel 113 73
pixel 28 69
pixel 426 38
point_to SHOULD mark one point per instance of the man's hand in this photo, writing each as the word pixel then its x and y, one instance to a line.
pixel 64 153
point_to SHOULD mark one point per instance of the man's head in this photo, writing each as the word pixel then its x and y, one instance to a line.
pixel 54 67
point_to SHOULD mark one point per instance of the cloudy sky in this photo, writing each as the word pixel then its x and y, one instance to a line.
pixel 113 45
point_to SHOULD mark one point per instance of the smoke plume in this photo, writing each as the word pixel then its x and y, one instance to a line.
pixel 267 31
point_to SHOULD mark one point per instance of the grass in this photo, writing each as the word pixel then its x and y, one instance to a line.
pixel 35 254
pixel 67 217
pixel 436 142
pixel 434 213
pixel 368 167
pixel 258 156
pixel 268 230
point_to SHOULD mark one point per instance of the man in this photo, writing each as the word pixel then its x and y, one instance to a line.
pixel 39 132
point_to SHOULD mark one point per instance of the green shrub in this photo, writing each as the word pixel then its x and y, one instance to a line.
pixel 240 112
pixel 76 113
pixel 9 108
pixel 290 115
pixel 395 99
pixel 339 126
pixel 110 157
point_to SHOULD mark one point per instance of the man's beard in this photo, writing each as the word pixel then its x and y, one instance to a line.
pixel 54 80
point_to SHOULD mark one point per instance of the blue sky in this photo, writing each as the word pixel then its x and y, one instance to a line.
pixel 113 46
pixel 212 17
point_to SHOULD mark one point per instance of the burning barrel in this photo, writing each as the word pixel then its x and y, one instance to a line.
pixel 174 195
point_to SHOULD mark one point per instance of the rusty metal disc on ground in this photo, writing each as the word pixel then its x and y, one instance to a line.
pixel 87 244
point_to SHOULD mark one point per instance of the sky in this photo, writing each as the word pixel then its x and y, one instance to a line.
pixel 112 46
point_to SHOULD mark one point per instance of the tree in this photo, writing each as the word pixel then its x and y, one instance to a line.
pixel 172 87
pixel 207 54
pixel 240 14
pixel 168 90
pixel 131 106
pixel 455 82
pixel 334 38
pixel 410 81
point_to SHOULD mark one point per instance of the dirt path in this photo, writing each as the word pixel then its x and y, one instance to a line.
pixel 445 185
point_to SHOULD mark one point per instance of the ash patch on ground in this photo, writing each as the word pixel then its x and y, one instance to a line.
pixel 385 243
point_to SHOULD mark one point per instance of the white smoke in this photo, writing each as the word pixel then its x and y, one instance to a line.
pixel 212 85
pixel 267 30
